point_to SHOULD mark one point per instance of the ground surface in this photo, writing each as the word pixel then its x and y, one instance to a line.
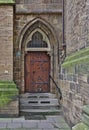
pixel 56 122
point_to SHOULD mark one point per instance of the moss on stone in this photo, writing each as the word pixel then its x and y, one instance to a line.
pixel 77 58
pixel 80 126
pixel 4 100
pixel 85 109
pixel 6 1
pixel 8 91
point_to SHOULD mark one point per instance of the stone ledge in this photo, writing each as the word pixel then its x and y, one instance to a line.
pixel 36 9
pixel 85 119
pixel 76 58
pixel 7 1
pixel 85 109
pixel 80 126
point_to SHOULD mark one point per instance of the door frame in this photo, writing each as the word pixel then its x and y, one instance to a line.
pixel 25 69
pixel 52 50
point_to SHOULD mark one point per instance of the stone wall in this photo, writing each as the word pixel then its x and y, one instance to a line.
pixel 6 42
pixel 75 90
pixel 38 6
pixel 9 100
pixel 10 110
pixel 74 82
pixel 24 16
pixel 74 75
pixel 77 25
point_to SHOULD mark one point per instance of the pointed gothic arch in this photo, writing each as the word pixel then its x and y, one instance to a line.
pixel 43 26
pixel 41 37
pixel 48 35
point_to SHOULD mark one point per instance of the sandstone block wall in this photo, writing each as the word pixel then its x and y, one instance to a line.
pixel 38 6
pixel 75 90
pixel 6 42
pixel 74 75
pixel 76 25
pixel 25 15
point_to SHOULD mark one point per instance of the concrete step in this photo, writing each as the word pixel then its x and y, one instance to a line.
pixel 39 103
pixel 40 111
pixel 39 107
pixel 37 95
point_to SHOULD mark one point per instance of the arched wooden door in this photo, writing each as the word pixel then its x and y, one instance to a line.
pixel 37 69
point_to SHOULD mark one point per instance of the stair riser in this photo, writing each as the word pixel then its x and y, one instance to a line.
pixel 40 104
pixel 27 101
pixel 39 107
pixel 38 95
pixel 39 113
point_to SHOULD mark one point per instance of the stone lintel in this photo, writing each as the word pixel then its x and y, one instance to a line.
pixel 40 12
pixel 38 8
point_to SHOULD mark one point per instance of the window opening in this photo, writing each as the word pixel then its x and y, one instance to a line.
pixel 37 41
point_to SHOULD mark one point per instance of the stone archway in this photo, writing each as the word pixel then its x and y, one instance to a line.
pixel 37 62
pixel 49 35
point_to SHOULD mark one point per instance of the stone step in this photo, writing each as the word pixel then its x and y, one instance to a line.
pixel 37 95
pixel 39 101
pixel 41 105
pixel 40 111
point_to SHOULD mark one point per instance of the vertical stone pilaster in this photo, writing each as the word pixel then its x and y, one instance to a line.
pixel 6 42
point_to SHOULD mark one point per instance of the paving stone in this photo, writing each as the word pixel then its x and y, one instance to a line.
pixel 14 125
pixel 29 125
pixel 47 121
pixel 2 125
pixel 23 129
pixel 55 118
pixel 55 122
pixel 61 125
pixel 50 129
pixel 18 119
pixel 19 129
pixel 6 120
pixel 59 119
pixel 32 121
pixel 50 118
pixel 4 129
pixel 31 129
pixel 45 125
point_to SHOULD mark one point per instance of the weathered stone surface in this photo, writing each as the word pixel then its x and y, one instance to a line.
pixel 76 22
pixel 21 21
pixel 39 6
pixel 72 86
pixel 6 42
pixel 10 110
pixel 76 34
pixel 74 97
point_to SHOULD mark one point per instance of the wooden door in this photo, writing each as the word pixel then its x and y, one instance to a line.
pixel 37 69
